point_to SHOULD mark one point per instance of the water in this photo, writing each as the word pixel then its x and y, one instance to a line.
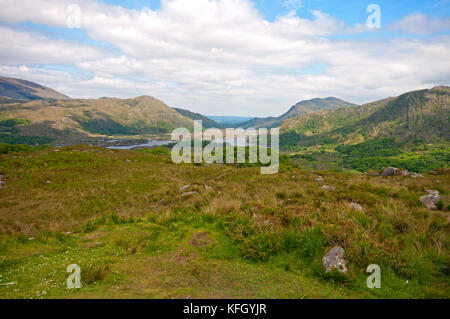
pixel 239 141
pixel 150 143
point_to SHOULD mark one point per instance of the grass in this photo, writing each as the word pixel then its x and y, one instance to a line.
pixel 120 216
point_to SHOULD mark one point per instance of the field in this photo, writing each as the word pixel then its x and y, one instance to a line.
pixel 140 226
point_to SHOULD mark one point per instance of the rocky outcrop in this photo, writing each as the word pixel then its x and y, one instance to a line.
pixel 389 171
pixel 431 199
pixel 335 259
pixel 188 193
pixel 355 206
pixel 183 188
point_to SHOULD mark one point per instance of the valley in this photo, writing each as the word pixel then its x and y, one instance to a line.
pixel 92 183
pixel 140 226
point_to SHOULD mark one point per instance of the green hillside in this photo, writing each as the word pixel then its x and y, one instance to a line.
pixel 140 226
pixel 206 122
pixel 411 130
pixel 80 121
pixel 301 108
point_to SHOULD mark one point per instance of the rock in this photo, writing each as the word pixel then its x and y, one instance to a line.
pixel 335 259
pixel 328 188
pixel 431 199
pixel 188 193
pixel 355 206
pixel 208 187
pixel 200 239
pixel 417 175
pixel 182 188
pixel 128 161
pixel 404 172
pixel 320 179
pixel 389 171
pixel 8 283
pixel 1 182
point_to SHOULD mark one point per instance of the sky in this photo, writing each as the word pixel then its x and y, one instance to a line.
pixel 228 57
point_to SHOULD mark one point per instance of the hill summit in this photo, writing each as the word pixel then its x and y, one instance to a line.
pixel 16 90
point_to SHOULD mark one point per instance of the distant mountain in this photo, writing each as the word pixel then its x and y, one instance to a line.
pixel 15 90
pixel 226 120
pixel 417 115
pixel 315 105
pixel 301 108
pixel 78 120
pixel 206 122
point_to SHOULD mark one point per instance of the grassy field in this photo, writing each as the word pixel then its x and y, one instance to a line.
pixel 127 219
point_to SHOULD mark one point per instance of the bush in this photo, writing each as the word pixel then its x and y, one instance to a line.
pixel 440 204
pixel 260 246
pixel 313 242
pixel 92 274
pixel 12 148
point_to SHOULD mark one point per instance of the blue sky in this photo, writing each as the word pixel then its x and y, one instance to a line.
pixel 227 57
pixel 350 11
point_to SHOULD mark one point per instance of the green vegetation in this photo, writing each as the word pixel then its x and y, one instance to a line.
pixel 106 126
pixel 12 148
pixel 392 132
pixel 9 133
pixel 124 218
pixel 75 120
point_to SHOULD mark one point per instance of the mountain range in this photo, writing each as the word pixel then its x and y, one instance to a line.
pixel 301 108
pixel 417 115
pixel 34 114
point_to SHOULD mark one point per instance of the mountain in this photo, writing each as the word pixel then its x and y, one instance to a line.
pixel 206 122
pixel 78 120
pixel 421 115
pixel 229 120
pixel 314 105
pixel 324 121
pixel 15 90
pixel 301 108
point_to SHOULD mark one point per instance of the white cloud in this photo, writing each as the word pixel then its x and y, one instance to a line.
pixel 21 46
pixel 421 24
pixel 217 57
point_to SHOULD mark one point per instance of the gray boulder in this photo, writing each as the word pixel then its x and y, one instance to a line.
pixel 405 172
pixel 183 188
pixel 335 259
pixel 328 188
pixel 389 171
pixel 355 206
pixel 1 182
pixel 189 194
pixel 431 199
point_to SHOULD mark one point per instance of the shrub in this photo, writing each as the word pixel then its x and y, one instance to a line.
pixel 440 204
pixel 313 242
pixel 291 241
pixel 92 274
pixel 260 246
